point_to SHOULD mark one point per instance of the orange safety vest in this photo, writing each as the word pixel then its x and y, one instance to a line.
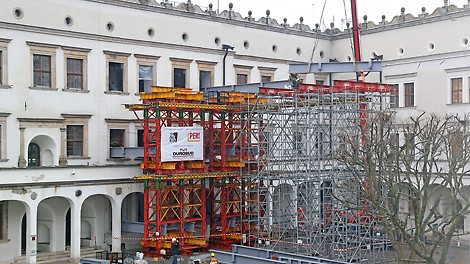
pixel 362 77
pixel 214 261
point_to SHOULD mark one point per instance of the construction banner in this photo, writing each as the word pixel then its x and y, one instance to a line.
pixel 181 143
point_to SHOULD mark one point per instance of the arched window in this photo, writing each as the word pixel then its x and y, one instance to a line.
pixel 34 156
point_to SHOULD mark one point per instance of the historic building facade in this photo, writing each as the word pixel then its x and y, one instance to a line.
pixel 64 79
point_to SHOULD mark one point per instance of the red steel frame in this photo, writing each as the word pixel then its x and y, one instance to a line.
pixel 176 194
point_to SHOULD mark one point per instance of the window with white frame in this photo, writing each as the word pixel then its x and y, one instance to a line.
pixel 3 62
pixel 242 74
pixel 147 71
pixel 404 89
pixel 76 69
pixel 116 72
pixel 456 90
pixel 395 96
pixel 409 94
pixel 43 65
pixel 206 74
pixel 180 72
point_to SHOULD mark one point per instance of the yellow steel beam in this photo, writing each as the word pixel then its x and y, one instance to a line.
pixel 187 176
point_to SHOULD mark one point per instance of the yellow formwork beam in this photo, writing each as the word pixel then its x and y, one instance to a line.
pixel 180 105
pixel 187 176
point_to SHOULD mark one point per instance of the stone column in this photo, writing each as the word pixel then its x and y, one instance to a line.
pixel 21 159
pixel 76 220
pixel 116 234
pixel 31 233
pixel 63 148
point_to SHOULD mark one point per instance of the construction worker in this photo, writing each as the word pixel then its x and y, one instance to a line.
pixel 361 76
pixel 175 249
pixel 295 80
pixel 213 259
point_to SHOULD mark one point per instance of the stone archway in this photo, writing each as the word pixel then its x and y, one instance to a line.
pixel 42 151
pixel 12 213
pixel 52 214
pixel 96 218
pixel 132 217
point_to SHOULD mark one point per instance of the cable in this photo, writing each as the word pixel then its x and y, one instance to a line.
pixel 350 37
pixel 317 40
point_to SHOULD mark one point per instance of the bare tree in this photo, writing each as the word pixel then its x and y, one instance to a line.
pixel 409 176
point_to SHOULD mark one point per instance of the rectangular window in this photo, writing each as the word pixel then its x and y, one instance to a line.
pixel 145 78
pixel 242 78
pixel 409 94
pixel 206 74
pixel 204 79
pixel 395 97
pixel 116 77
pixel 140 138
pixel 266 74
pixel 74 140
pixel 116 138
pixel 320 82
pixel 74 73
pixel 179 78
pixel 265 79
pixel 42 70
pixel 456 90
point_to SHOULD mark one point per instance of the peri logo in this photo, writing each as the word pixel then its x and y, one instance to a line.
pixel 194 137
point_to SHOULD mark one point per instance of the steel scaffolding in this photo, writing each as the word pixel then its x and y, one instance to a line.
pixel 298 175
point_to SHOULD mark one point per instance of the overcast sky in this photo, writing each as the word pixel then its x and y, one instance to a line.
pixel 311 10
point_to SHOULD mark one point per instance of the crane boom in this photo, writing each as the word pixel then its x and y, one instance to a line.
pixel 355 29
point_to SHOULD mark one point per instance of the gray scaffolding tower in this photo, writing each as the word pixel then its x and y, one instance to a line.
pixel 290 193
